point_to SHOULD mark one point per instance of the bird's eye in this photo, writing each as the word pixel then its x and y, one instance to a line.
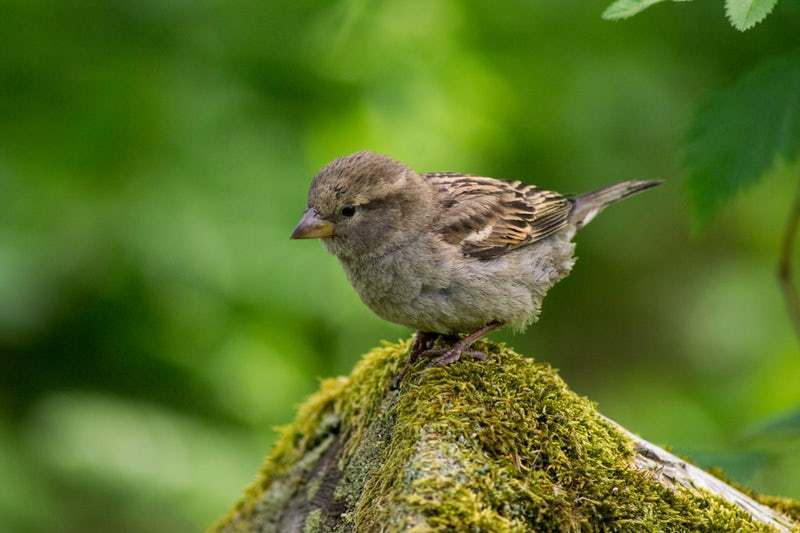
pixel 348 211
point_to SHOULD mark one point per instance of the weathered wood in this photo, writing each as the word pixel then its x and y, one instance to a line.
pixel 673 472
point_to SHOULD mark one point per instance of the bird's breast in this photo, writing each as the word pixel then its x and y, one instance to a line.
pixel 404 285
pixel 384 281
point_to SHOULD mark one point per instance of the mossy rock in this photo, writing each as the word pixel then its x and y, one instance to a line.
pixel 496 445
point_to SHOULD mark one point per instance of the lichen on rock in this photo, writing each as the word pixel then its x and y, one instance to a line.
pixel 496 445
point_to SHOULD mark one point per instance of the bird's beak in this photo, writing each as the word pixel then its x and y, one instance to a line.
pixel 311 226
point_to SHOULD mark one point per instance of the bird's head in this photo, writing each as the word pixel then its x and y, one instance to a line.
pixel 360 204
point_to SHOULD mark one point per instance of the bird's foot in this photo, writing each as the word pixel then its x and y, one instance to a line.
pixel 423 347
pixel 461 347
pixel 423 341
pixel 452 354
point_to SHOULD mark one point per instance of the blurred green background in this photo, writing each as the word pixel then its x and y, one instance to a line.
pixel 156 323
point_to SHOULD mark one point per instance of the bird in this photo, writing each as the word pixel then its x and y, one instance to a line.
pixel 453 256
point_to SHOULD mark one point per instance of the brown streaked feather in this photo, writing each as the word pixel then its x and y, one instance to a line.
pixel 488 217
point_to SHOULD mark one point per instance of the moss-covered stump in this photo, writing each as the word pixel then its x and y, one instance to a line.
pixel 498 445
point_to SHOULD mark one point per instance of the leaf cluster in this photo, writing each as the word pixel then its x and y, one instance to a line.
pixel 741 132
pixel 743 14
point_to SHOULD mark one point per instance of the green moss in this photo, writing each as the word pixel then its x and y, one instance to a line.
pixel 294 441
pixel 313 522
pixel 787 506
pixel 498 445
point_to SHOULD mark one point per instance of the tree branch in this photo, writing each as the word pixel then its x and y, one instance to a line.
pixel 497 445
pixel 672 472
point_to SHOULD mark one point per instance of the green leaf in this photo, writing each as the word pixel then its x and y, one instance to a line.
pixel 622 9
pixel 741 132
pixel 744 14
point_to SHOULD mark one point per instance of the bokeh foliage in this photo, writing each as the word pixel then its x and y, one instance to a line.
pixel 156 322
pixel 742 132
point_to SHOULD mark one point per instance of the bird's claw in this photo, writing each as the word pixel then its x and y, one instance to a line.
pixel 422 347
pixel 475 354
pixel 422 343
pixel 450 355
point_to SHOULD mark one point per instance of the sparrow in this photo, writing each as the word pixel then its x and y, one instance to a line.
pixel 447 253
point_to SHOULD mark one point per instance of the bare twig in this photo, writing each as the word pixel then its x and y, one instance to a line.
pixel 790 293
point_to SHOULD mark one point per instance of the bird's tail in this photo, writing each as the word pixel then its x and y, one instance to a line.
pixel 588 205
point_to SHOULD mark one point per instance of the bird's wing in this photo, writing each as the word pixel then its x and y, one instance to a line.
pixel 487 217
